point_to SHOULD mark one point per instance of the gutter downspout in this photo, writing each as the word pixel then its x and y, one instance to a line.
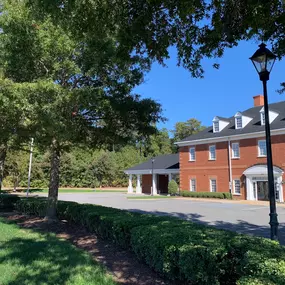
pixel 230 166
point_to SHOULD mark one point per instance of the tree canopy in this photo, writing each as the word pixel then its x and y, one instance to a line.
pixel 197 29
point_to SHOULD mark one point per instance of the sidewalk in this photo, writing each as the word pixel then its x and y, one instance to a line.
pixel 246 202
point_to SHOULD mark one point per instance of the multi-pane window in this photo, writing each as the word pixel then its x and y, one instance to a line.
pixel 192 155
pixel 235 150
pixel 236 186
pixel 262 148
pixel 262 118
pixel 212 152
pixel 216 127
pixel 213 185
pixel 193 185
pixel 238 122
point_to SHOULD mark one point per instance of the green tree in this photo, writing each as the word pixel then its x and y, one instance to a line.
pixel 16 167
pixel 157 144
pixel 78 84
pixel 12 119
pixel 185 129
pixel 104 168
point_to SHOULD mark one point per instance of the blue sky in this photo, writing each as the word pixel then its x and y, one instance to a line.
pixel 221 92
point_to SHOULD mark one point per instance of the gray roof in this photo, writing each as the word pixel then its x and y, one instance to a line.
pixel 252 127
pixel 167 161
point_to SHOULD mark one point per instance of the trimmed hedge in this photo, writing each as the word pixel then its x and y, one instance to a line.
pixel 7 202
pixel 218 195
pixel 186 252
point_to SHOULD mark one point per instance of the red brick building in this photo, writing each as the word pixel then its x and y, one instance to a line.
pixel 231 154
pixel 228 156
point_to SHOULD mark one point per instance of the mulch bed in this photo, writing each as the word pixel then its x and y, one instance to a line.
pixel 122 264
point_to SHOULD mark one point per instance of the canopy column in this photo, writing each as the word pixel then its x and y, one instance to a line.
pixel 130 187
pixel 138 188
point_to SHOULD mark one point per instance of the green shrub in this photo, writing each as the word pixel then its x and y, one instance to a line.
pixel 7 202
pixel 186 252
pixel 172 187
pixel 32 206
pixel 217 195
pixel 228 195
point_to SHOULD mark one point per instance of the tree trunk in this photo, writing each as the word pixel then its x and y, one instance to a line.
pixel 3 152
pixel 54 182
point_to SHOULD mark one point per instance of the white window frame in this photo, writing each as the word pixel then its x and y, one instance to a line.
pixel 233 153
pixel 190 157
pixel 237 193
pixel 193 184
pixel 259 149
pixel 210 156
pixel 262 118
pixel 211 184
pixel 216 126
pixel 238 118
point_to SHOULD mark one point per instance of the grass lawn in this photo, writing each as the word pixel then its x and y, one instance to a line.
pixel 150 197
pixel 32 258
pixel 72 190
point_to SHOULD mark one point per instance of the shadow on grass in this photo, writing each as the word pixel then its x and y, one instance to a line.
pixel 44 259
pixel 241 226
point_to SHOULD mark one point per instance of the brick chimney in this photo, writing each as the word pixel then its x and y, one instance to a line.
pixel 258 100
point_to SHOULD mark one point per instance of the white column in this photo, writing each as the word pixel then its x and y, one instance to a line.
pixel 154 184
pixel 138 188
pixel 169 177
pixel 249 189
pixel 130 188
pixel 279 181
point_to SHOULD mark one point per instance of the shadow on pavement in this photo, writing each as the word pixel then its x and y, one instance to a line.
pixel 240 227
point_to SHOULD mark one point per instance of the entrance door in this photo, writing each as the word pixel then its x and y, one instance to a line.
pixel 262 190
pixel 163 184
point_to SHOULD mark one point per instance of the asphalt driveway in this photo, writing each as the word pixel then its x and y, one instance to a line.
pixel 243 218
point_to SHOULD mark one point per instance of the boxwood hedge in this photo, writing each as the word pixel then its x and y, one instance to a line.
pixel 7 202
pixel 185 252
pixel 218 195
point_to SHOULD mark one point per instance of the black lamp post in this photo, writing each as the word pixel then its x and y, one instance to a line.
pixel 152 164
pixel 263 60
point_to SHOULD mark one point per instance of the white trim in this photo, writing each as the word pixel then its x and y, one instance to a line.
pixel 233 137
pixel 155 171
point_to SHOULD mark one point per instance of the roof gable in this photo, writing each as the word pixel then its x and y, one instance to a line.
pixel 253 126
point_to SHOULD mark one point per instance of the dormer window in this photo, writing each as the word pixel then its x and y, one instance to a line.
pixel 219 124
pixel 241 120
pixel 238 122
pixel 262 118
pixel 216 127
pixel 272 116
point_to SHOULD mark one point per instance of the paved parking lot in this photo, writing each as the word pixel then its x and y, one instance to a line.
pixel 250 219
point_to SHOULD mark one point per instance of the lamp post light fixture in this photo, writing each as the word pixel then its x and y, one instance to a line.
pixel 152 185
pixel 263 60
